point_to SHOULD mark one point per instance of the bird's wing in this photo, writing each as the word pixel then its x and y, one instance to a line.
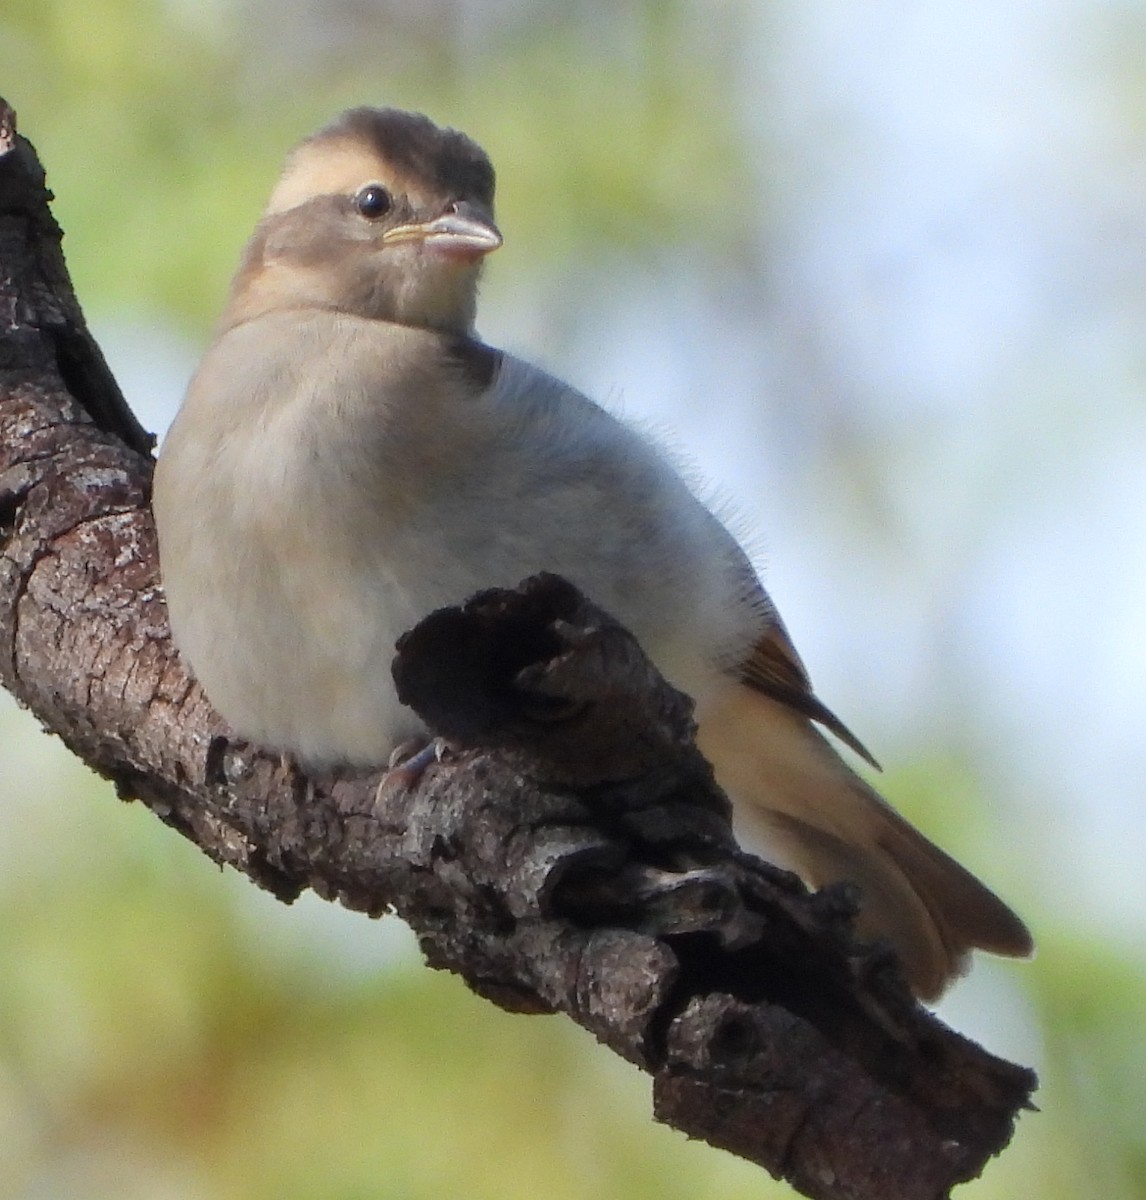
pixel 774 668
pixel 801 806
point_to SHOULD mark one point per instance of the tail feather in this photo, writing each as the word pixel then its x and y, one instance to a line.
pixel 798 802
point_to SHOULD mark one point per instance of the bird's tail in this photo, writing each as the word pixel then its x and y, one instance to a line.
pixel 799 805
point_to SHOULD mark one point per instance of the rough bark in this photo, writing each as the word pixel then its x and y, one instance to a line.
pixel 570 853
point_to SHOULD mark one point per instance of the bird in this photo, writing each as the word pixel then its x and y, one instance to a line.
pixel 350 456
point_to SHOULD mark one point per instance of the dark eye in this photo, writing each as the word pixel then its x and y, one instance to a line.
pixel 373 201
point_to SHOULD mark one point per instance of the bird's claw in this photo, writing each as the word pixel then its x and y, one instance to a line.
pixel 408 762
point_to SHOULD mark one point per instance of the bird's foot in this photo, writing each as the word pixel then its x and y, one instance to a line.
pixel 408 762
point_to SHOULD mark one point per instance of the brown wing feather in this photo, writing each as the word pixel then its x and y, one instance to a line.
pixel 774 668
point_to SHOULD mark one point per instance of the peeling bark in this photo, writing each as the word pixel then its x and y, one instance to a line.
pixel 570 853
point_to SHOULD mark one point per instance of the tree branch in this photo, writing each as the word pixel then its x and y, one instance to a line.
pixel 570 853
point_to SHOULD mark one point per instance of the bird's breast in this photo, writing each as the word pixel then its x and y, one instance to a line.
pixel 341 501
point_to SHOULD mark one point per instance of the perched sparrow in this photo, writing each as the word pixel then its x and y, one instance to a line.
pixel 350 457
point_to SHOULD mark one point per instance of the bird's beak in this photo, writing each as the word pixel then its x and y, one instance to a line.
pixel 466 230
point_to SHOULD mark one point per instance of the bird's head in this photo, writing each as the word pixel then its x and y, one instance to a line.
pixel 381 214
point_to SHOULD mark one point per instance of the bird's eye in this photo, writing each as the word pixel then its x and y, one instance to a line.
pixel 373 201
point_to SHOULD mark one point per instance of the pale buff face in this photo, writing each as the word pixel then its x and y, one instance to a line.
pixel 341 166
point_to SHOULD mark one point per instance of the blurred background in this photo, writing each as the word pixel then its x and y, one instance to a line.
pixel 878 271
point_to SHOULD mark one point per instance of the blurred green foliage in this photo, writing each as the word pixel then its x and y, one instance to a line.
pixel 163 127
pixel 166 1032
